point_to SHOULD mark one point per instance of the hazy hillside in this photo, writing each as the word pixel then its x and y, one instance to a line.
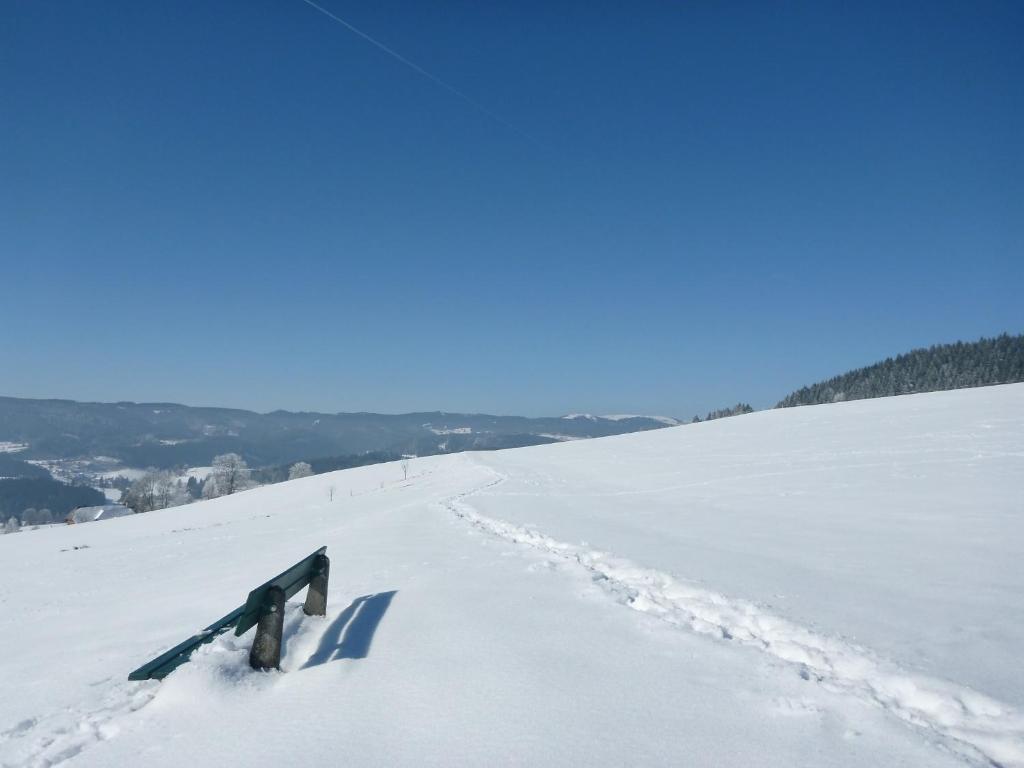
pixel 168 435
pixel 21 494
pixel 11 467
pixel 945 366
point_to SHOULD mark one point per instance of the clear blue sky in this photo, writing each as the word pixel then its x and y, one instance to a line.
pixel 246 204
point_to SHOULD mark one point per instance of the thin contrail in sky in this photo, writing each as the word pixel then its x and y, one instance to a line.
pixel 420 70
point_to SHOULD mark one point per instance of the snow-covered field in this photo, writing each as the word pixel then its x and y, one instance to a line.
pixel 128 473
pixel 197 473
pixel 831 586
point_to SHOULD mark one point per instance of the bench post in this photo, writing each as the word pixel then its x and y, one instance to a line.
pixel 266 648
pixel 316 595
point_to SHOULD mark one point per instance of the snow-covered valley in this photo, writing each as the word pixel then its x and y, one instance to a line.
pixel 833 586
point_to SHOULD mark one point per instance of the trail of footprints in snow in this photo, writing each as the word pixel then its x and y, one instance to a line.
pixel 54 739
pixel 978 726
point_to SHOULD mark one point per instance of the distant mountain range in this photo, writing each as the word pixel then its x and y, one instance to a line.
pixel 999 360
pixel 165 435
pixel 82 441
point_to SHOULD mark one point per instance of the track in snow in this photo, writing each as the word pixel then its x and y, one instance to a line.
pixel 976 726
pixel 53 739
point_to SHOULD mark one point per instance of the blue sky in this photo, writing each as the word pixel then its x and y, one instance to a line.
pixel 246 204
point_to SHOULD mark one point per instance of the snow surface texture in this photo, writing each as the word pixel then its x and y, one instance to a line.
pixel 667 420
pixel 832 586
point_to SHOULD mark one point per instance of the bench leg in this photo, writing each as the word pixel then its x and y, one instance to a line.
pixel 316 596
pixel 266 648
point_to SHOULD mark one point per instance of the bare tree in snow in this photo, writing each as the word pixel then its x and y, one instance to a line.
pixel 300 469
pixel 155 490
pixel 33 516
pixel 12 525
pixel 230 475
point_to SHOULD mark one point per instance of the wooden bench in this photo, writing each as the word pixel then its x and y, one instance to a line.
pixel 264 609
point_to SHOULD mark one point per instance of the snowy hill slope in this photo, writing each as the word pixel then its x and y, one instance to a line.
pixel 838 586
